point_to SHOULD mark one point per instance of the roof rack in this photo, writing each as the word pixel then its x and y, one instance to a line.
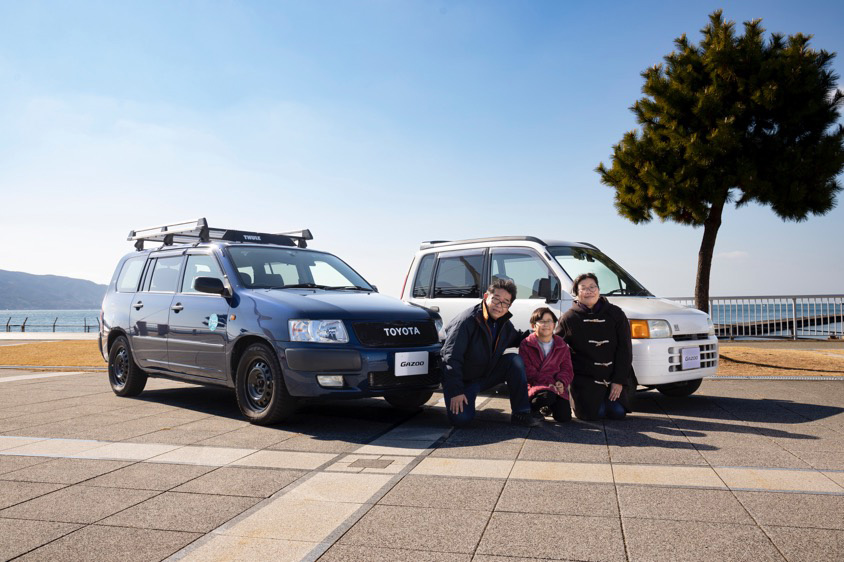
pixel 432 243
pixel 197 230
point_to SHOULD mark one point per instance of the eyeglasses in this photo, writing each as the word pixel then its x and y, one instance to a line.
pixel 589 289
pixel 497 302
pixel 544 322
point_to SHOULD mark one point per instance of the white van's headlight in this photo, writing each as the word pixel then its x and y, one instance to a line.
pixel 711 331
pixel 649 329
pixel 438 324
pixel 320 331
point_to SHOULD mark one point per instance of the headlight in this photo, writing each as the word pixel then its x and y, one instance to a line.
pixel 711 331
pixel 319 331
pixel 652 329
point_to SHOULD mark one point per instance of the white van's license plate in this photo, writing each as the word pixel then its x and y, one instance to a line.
pixel 689 358
pixel 411 363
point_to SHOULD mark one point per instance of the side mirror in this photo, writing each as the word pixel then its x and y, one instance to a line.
pixel 374 288
pixel 211 285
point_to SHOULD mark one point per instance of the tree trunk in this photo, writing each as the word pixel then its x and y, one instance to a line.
pixel 704 256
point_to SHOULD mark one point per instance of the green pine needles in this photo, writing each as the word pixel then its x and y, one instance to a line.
pixel 734 119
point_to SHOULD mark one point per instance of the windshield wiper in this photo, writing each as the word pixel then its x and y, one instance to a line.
pixel 347 288
pixel 303 286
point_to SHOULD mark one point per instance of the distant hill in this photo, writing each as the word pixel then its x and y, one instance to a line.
pixel 20 291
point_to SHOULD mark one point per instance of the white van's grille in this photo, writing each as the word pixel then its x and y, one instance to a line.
pixel 708 356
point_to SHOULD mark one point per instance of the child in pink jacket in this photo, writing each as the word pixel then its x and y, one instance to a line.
pixel 548 367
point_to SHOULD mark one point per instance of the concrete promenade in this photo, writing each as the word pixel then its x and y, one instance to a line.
pixel 743 470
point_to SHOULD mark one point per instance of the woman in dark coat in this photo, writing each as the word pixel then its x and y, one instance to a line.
pixel 598 335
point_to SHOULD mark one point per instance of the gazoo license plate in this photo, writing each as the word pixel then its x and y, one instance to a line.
pixel 690 358
pixel 411 363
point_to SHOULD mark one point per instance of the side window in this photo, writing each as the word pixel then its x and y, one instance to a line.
pixel 199 265
pixel 165 275
pixel 459 275
pixel 130 274
pixel 531 275
pixel 422 284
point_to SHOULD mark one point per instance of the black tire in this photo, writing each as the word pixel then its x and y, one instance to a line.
pixel 408 399
pixel 124 375
pixel 684 388
pixel 261 393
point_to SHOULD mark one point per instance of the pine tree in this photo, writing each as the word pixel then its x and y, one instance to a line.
pixel 735 119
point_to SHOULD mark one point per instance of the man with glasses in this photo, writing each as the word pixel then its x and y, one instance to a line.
pixel 474 359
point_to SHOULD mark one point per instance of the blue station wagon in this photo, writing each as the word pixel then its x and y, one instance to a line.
pixel 264 315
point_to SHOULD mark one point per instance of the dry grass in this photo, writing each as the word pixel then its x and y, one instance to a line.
pixel 749 360
pixel 735 360
pixel 59 353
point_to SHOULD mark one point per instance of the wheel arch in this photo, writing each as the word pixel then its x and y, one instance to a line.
pixel 113 335
pixel 240 346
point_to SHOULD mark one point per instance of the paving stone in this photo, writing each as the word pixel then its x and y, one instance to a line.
pixel 175 511
pixel 64 471
pixel 211 456
pixel 312 445
pixel 808 545
pixel 681 541
pixel 564 452
pixel 808 481
pixel 248 438
pixel 563 498
pixel 681 504
pixel 96 542
pixel 445 493
pixel 348 553
pixel 294 519
pixel 439 530
pixel 489 468
pixel 10 463
pixel 682 454
pixel 223 548
pixel 556 537
pixel 338 487
pixel 823 460
pixel 12 493
pixel 461 449
pixel 236 481
pixel 822 511
pixel 150 476
pixel 18 536
pixel 773 457
pixel 77 504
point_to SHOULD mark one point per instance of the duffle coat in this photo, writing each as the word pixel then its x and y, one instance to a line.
pixel 543 372
pixel 601 353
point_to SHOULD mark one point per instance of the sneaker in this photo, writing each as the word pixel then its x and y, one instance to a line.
pixel 525 419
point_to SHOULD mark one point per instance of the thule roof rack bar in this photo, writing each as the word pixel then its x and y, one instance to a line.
pixel 432 243
pixel 197 230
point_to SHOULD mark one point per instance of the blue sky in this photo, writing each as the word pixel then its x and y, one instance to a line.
pixel 376 124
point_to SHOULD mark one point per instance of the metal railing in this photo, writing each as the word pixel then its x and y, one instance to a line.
pixel 86 326
pixel 783 316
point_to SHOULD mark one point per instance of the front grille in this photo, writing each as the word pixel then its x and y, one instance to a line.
pixel 396 334
pixel 690 337
pixel 708 357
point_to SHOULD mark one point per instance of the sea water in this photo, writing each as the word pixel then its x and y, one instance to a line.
pixel 44 320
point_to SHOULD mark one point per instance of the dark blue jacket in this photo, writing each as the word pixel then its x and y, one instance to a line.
pixel 469 353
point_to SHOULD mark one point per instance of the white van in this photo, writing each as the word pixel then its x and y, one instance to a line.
pixel 674 347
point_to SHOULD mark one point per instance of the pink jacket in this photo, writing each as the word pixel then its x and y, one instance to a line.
pixel 542 372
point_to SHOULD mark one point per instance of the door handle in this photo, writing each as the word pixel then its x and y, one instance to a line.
pixel 138 305
pixel 177 307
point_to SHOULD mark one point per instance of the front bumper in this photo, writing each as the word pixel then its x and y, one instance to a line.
pixel 365 371
pixel 657 361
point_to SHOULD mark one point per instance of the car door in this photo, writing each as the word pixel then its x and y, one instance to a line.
pixel 458 282
pixel 150 311
pixel 198 321
pixel 536 284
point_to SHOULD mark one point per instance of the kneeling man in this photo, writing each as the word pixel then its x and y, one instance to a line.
pixel 474 359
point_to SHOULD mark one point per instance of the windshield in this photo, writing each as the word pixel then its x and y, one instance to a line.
pixel 281 268
pixel 611 278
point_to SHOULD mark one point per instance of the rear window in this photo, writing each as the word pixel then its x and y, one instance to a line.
pixel 459 275
pixel 130 274
pixel 422 284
